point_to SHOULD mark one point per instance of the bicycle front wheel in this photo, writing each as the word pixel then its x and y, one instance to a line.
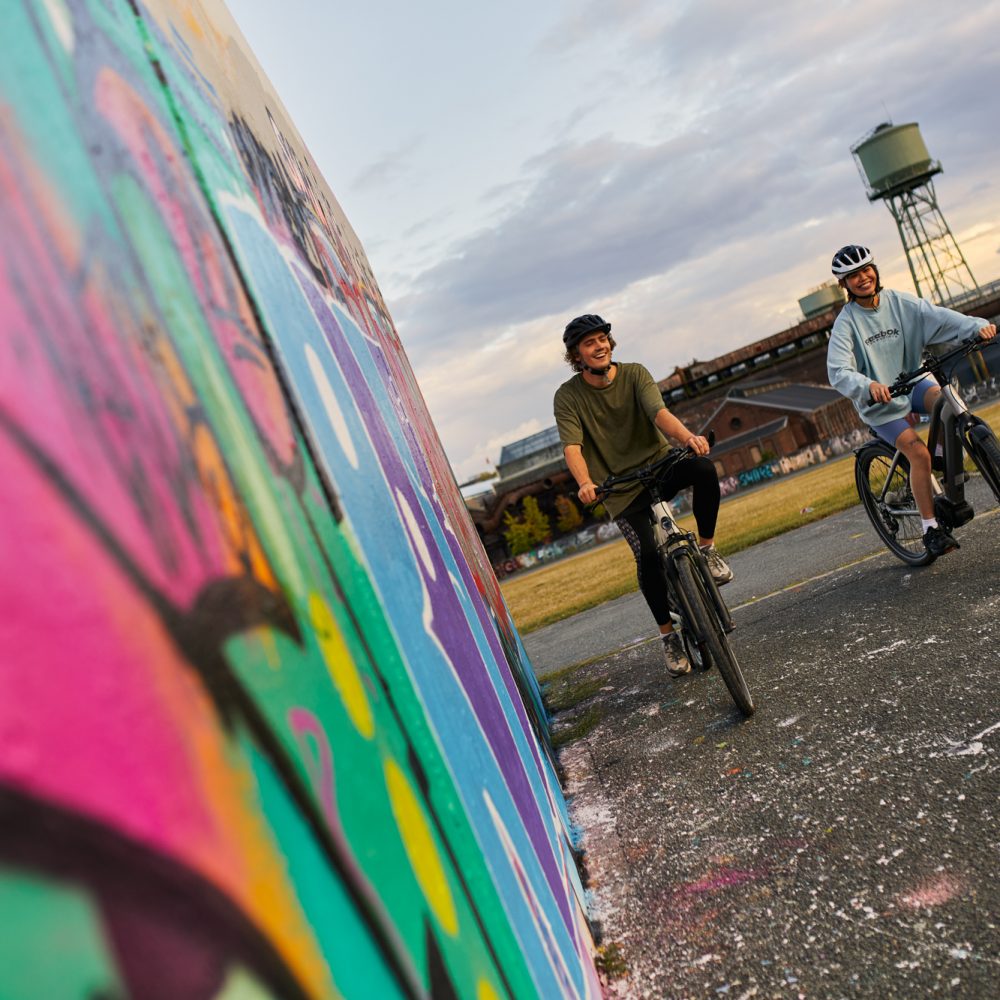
pixel 883 482
pixel 700 611
pixel 982 445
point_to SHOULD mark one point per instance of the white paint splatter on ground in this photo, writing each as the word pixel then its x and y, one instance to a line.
pixel 872 653
pixel 971 747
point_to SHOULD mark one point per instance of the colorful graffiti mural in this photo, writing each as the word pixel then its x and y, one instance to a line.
pixel 266 728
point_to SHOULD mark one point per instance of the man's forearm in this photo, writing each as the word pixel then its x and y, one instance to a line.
pixel 673 427
pixel 577 466
pixel 686 438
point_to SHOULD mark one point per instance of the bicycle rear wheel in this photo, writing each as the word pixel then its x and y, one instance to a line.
pixel 700 611
pixel 982 445
pixel 883 483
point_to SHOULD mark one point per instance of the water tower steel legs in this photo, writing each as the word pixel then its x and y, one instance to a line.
pixel 937 265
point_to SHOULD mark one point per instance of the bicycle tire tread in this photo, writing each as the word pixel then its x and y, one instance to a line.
pixel 702 611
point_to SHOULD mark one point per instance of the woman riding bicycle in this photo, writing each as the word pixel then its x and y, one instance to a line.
pixel 878 334
pixel 611 419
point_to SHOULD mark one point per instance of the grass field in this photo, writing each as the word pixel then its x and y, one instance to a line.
pixel 541 597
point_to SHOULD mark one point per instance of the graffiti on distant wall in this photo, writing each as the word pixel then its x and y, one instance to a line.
pixel 568 544
pixel 810 455
pixel 265 724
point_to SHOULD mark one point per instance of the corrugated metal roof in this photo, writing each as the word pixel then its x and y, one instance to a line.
pixel 536 472
pixel 794 396
pixel 529 445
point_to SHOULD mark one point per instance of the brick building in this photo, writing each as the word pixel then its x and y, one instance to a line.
pixel 769 397
pixel 761 421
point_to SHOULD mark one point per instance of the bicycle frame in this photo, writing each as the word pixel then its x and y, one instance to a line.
pixel 696 606
pixel 949 420
pixel 669 537
pixel 950 423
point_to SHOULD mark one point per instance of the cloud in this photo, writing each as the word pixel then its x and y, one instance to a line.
pixel 779 106
pixel 702 235
pixel 390 169
pixel 600 216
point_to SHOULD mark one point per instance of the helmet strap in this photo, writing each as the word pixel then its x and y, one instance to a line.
pixel 600 372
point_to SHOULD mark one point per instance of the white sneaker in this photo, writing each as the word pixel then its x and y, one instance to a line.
pixel 717 566
pixel 673 653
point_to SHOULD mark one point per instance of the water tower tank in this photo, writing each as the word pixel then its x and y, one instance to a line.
pixel 822 299
pixel 893 157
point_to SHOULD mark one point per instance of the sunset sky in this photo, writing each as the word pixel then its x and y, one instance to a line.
pixel 682 168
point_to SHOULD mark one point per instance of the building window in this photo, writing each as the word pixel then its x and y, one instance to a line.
pixel 755 454
pixel 735 424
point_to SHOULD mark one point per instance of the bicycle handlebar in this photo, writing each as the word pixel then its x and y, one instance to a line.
pixel 643 474
pixel 646 473
pixel 934 365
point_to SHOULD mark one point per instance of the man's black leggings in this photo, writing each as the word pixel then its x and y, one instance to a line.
pixel 637 528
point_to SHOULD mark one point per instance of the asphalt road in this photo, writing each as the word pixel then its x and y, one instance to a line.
pixel 845 842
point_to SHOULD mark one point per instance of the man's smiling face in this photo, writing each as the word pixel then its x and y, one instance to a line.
pixel 595 350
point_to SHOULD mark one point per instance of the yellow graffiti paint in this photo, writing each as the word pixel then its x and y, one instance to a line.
pixel 192 23
pixel 341 666
pixel 484 991
pixel 420 847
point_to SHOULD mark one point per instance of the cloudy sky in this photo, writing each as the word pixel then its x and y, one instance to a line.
pixel 681 168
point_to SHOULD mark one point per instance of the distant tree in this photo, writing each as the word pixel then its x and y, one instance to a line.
pixel 538 524
pixel 532 528
pixel 515 533
pixel 568 515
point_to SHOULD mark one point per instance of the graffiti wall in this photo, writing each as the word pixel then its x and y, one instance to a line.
pixel 266 728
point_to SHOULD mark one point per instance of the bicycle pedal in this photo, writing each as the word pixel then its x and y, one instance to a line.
pixel 952 514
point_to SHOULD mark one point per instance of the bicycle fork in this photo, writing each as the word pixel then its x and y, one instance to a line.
pixel 669 538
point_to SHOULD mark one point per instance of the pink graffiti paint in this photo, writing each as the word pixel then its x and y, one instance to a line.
pixel 727 878
pixel 99 712
pixel 315 749
pixel 932 891
pixel 222 303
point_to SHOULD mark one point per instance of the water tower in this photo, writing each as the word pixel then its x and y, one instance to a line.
pixel 897 169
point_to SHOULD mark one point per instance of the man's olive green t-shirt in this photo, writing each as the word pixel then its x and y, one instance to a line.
pixel 613 425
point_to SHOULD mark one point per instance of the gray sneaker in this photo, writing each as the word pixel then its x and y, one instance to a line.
pixel 717 566
pixel 673 653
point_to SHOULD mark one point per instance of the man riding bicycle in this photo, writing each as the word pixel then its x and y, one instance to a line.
pixel 611 419
pixel 878 334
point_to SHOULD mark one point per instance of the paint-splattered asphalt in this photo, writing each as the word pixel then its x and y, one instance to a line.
pixel 845 842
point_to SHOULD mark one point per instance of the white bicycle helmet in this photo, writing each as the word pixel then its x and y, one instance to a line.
pixel 851 258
